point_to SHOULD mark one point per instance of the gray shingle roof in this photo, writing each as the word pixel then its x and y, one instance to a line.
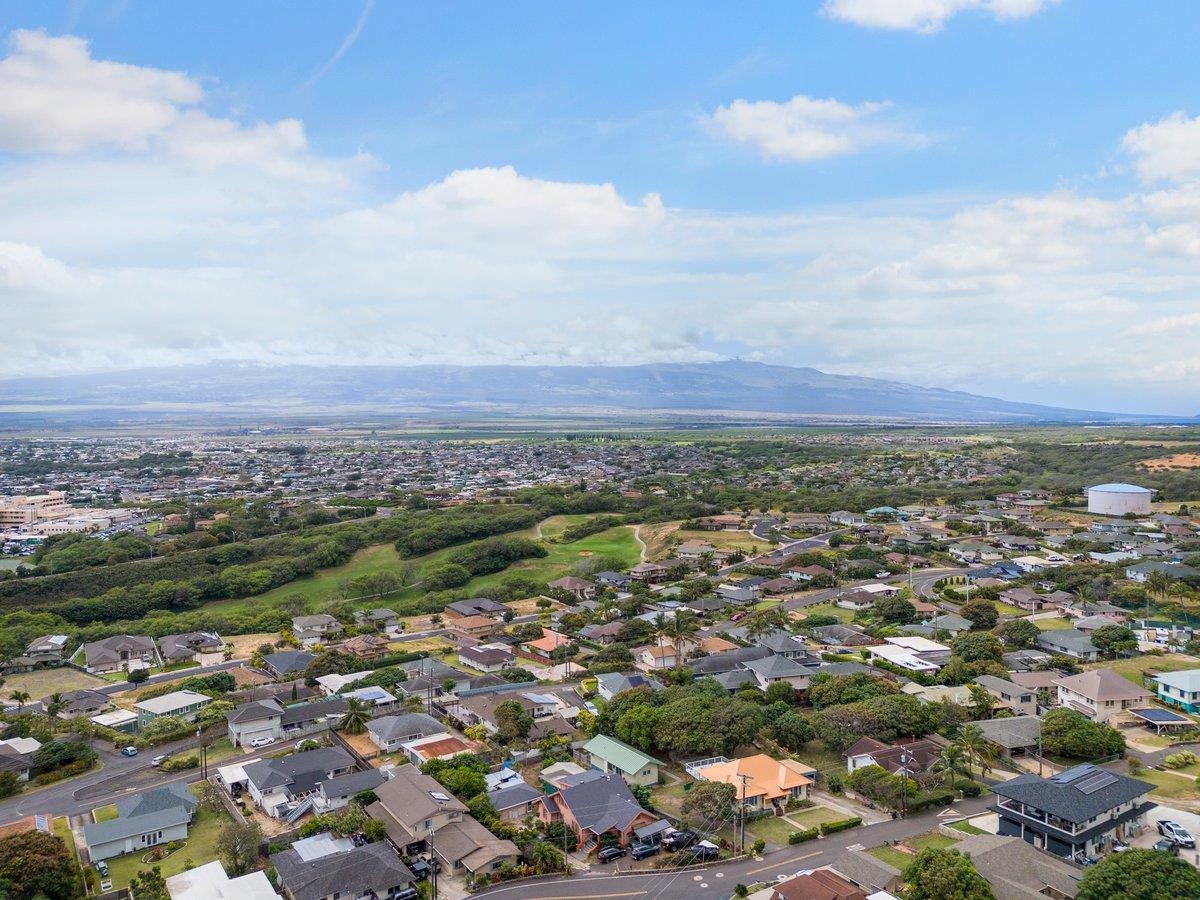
pixel 601 804
pixel 302 771
pixel 1065 795
pixel 372 867
pixel 392 728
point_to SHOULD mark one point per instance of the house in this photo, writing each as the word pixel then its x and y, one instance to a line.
pixel 486 657
pixel 1079 608
pixel 515 802
pixel 210 882
pixel 271 719
pixel 275 784
pixel 842 636
pixel 1068 642
pixel 381 618
pixel 542 649
pixel 593 805
pixel 478 606
pixel 1088 624
pixel 694 551
pixel 121 652
pixel 612 756
pixel 618 580
pixel 366 646
pixel 762 783
pixel 1079 811
pixel 1013 735
pixel 1179 689
pixel 83 702
pixel 336 793
pixel 16 756
pixel 655 657
pixel 842 517
pixel 781 643
pixel 580 588
pixel 1100 693
pixel 43 652
pixel 180 704
pixel 283 663
pixel 1017 871
pixel 610 684
pixel 441 745
pixel 312 630
pixel 1031 600
pixel 1152 634
pixel 372 696
pixel 1016 699
pixel 324 867
pixel 956 693
pixel 144 820
pixel 480 709
pixel 917 654
pixel 817 884
pixel 948 622
pixel 1024 661
pixel 390 732
pixel 200 647
pixel 775 669
pixel 418 814
pixel 1142 571
pixel 650 572
pixel 879 879
pixel 474 628
pixel 728 661
pixel 913 757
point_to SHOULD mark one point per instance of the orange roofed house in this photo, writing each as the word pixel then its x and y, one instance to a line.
pixel 542 649
pixel 768 783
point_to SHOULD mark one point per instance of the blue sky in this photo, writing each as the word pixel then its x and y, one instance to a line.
pixel 1000 196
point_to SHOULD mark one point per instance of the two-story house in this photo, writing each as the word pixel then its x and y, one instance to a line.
pixel 1080 811
pixel 614 757
pixel 276 784
pixel 1179 689
pixel 1100 694
pixel 312 630
pixel 1016 699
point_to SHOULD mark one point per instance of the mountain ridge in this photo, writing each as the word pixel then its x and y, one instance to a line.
pixel 734 387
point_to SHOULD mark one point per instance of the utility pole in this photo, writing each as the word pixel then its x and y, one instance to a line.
pixel 742 814
pixel 904 758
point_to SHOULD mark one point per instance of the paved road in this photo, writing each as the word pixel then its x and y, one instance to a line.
pixel 717 882
pixel 923 580
pixel 118 686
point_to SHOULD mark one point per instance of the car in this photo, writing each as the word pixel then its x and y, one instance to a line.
pixel 159 760
pixel 608 854
pixel 1168 845
pixel 409 893
pixel 129 751
pixel 705 852
pixel 883 573
pixel 419 868
pixel 643 851
pixel 737 617
pixel 1120 847
pixel 262 741
pixel 677 840
pixel 102 868
pixel 1177 833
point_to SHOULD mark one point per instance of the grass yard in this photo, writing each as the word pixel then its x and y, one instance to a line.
pixel 828 609
pixel 104 813
pixel 809 818
pixel 1133 667
pixel 661 536
pixel 556 525
pixel 45 682
pixel 900 859
pixel 772 829
pixel 201 847
pixel 1170 786
pixel 1057 623
pixel 1007 609
pixel 966 827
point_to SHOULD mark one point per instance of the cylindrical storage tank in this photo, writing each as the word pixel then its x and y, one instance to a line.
pixel 1119 499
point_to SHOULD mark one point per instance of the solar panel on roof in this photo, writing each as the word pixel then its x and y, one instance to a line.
pixel 1073 774
pixel 1161 716
pixel 1095 782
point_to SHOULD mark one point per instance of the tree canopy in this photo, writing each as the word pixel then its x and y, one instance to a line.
pixel 1139 875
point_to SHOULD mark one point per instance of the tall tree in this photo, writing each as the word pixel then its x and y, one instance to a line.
pixel 1139 875
pixel 238 844
pixel 356 717
pixel 942 874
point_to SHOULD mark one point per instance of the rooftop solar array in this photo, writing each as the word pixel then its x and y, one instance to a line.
pixel 1160 716
pixel 1095 782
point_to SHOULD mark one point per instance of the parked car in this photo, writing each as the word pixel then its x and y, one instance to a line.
pixel 262 741
pixel 883 574
pixel 102 868
pixel 608 854
pixel 1177 833
pixel 642 851
pixel 1168 845
pixel 159 760
pixel 409 893
pixel 677 840
pixel 1120 847
pixel 705 852
pixel 419 868
pixel 129 751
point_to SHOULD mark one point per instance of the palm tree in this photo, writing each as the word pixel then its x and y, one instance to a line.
pixel 764 622
pixel 975 747
pixel 682 631
pixel 605 607
pixel 1158 582
pixel 55 704
pixel 982 702
pixel 356 717
pixel 662 629
pixel 21 698
pixel 951 763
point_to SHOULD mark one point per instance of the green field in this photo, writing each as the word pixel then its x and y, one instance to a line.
pixel 1057 623
pixel 1170 786
pixel 1133 667
pixel 899 859
pixel 829 609
pixel 617 543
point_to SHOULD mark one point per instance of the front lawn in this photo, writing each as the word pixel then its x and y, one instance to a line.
pixel 771 829
pixel 816 815
pixel 201 847
pixel 900 860
pixel 104 813
pixel 1055 623
pixel 828 609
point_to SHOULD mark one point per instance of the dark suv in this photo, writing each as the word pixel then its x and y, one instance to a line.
pixel 608 854
pixel 704 853
pixel 677 840
pixel 641 851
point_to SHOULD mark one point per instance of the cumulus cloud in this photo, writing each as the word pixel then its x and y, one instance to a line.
pixel 56 98
pixel 1166 150
pixel 924 16
pixel 807 128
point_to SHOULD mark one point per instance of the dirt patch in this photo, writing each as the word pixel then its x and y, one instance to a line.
pixel 243 645
pixel 1176 461
pixel 362 744
pixel 45 682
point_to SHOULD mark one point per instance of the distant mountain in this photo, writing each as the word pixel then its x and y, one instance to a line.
pixel 742 390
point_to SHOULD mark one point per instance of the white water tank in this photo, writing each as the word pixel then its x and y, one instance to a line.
pixel 1119 499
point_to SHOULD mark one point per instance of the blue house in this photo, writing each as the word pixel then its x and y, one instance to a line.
pixel 1179 689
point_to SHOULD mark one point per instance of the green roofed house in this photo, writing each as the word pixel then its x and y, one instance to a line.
pixel 610 755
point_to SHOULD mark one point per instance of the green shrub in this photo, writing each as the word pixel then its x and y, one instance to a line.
pixel 807 834
pixel 1180 760
pixel 840 825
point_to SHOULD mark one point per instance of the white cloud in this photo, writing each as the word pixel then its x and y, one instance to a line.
pixel 1167 150
pixel 806 128
pixel 55 98
pixel 925 16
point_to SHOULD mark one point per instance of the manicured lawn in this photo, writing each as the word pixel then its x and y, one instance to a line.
pixel 617 544
pixel 1133 667
pixel 104 813
pixel 1172 787
pixel 899 859
pixel 1007 609
pixel 201 847
pixel 809 818
pixel 556 525
pixel 1052 624
pixel 771 829
pixel 967 828
pixel 829 609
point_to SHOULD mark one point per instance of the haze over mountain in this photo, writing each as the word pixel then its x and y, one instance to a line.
pixel 737 389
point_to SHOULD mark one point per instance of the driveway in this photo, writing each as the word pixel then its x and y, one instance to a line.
pixel 1189 820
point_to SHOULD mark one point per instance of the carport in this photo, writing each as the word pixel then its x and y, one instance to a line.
pixel 1161 719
